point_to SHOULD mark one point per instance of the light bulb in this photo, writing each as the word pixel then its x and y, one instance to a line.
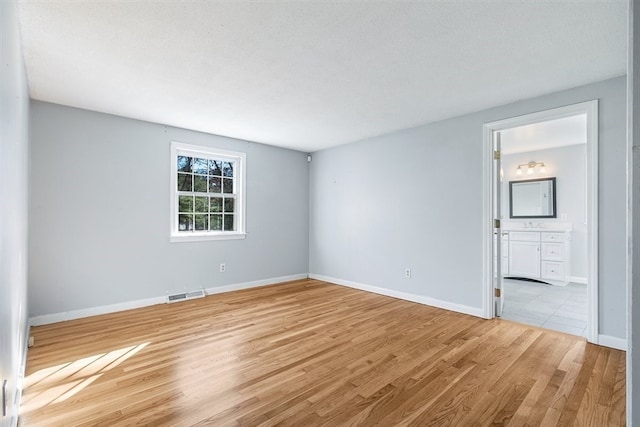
pixel 529 170
pixel 519 171
pixel 543 168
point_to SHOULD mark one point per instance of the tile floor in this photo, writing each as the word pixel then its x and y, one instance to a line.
pixel 561 308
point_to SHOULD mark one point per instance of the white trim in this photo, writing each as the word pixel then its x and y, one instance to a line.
pixel 590 108
pixel 199 237
pixel 488 174
pixel 240 179
pixel 446 305
pixel 576 279
pixel 593 257
pixel 254 284
pixel 194 150
pixel 46 319
pixel 633 212
pixel 612 342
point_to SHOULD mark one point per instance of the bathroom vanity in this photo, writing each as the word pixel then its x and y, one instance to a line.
pixel 539 250
pixel 537 253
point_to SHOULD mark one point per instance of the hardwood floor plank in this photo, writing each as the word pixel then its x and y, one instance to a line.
pixel 311 353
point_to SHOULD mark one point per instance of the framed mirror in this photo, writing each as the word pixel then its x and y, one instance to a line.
pixel 532 198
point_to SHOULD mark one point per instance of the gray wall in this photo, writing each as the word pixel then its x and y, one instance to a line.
pixel 413 199
pixel 568 165
pixel 100 213
pixel 14 192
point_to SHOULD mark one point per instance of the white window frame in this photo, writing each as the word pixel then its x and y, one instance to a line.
pixel 181 149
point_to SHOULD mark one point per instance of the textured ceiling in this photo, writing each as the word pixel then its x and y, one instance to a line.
pixel 310 75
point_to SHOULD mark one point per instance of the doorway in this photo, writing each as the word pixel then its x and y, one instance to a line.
pixel 545 247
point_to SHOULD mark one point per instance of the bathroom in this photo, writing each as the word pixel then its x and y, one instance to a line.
pixel 544 231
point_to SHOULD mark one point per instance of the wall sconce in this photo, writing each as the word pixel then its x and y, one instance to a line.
pixel 530 167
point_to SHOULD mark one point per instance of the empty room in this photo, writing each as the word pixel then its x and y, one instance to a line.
pixel 319 213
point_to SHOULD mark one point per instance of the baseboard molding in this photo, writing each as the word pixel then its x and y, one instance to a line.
pixel 46 319
pixel 604 340
pixel 112 308
pixel 576 279
pixel 459 308
pixel 254 284
pixel 613 342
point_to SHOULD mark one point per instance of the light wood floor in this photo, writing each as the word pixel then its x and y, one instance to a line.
pixel 308 353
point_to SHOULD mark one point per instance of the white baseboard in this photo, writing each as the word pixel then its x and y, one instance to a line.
pixel 613 342
pixel 604 340
pixel 46 319
pixel 577 279
pixel 254 284
pixel 459 308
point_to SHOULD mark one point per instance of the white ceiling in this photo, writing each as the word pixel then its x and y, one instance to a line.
pixel 544 135
pixel 311 75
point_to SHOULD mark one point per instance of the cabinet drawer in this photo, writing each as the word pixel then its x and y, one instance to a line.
pixel 553 237
pixel 552 270
pixel 553 251
pixel 524 236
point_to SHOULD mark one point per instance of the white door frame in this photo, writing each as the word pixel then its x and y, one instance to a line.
pixel 590 108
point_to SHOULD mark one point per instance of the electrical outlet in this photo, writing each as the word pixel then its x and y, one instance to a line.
pixel 407 273
pixel 223 267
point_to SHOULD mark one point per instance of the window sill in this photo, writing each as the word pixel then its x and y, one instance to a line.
pixel 201 237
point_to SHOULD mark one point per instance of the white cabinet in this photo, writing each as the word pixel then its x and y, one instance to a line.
pixel 524 259
pixel 553 251
pixel 552 270
pixel 540 255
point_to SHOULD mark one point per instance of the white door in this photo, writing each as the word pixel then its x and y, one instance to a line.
pixel 497 209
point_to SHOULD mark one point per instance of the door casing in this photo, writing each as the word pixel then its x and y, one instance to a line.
pixel 490 174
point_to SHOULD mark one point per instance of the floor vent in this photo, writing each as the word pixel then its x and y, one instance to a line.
pixel 183 296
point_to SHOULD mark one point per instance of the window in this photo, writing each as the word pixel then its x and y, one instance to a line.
pixel 207 193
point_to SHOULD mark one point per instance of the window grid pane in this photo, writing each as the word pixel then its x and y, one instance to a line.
pixel 215 184
pixel 185 222
pixel 200 183
pixel 229 223
pixel 185 182
pixel 215 223
pixel 184 163
pixel 185 204
pixel 206 193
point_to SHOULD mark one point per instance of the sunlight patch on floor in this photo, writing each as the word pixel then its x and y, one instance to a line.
pixel 58 383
